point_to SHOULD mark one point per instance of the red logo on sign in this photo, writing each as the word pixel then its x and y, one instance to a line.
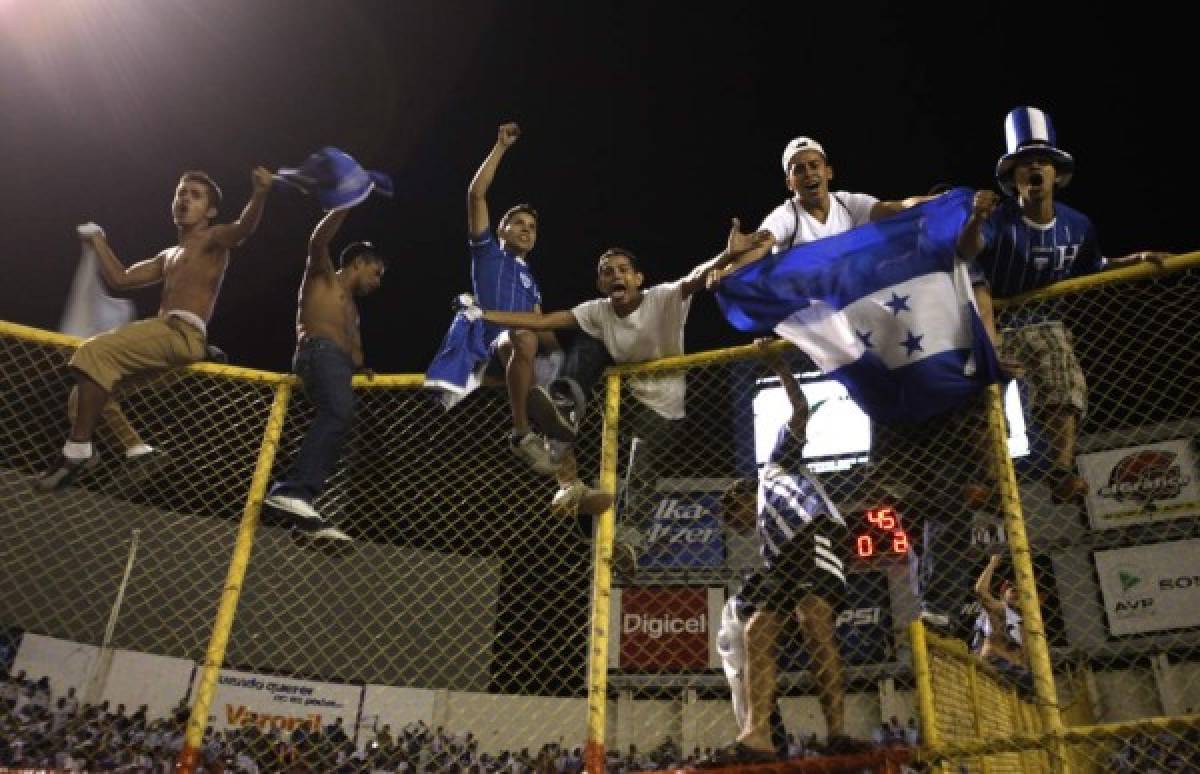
pixel 1144 477
pixel 664 628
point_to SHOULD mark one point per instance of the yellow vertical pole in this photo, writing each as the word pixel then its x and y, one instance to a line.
pixel 215 656
pixel 976 711
pixel 1034 631
pixel 602 583
pixel 930 739
pixel 1018 726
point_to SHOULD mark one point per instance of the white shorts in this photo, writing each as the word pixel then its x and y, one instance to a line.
pixel 731 646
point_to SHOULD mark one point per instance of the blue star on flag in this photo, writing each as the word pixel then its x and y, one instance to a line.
pixel 898 304
pixel 913 343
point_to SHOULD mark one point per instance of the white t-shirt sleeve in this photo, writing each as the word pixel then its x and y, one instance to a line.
pixel 590 316
pixel 782 224
pixel 859 205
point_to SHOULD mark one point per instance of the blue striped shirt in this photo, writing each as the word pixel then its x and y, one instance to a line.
pixel 502 282
pixel 790 497
pixel 1020 255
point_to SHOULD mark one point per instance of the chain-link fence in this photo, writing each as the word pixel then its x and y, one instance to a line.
pixel 466 618
pixel 1091 525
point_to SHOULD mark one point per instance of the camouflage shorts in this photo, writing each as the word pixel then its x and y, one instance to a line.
pixel 1052 373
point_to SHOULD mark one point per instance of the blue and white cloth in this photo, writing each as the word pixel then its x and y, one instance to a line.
pixel 886 309
pixel 335 178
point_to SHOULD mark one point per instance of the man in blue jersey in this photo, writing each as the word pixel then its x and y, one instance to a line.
pixel 802 538
pixel 502 280
pixel 1026 242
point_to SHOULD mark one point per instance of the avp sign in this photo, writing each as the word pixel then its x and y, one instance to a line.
pixel 1151 587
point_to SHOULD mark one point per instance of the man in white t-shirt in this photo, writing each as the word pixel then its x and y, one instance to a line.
pixel 635 326
pixel 814 212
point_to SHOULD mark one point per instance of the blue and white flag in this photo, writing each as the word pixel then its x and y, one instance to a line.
pixel 335 178
pixel 886 309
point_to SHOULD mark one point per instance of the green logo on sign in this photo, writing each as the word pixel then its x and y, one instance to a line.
pixel 1128 580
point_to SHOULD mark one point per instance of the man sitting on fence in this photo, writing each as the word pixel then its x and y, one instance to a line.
pixel 191 273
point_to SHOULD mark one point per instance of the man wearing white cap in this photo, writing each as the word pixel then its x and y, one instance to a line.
pixel 1026 242
pixel 814 212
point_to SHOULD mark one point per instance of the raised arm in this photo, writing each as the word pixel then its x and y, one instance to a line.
pixel 233 234
pixel 477 209
pixel 532 321
pixel 983 587
pixel 320 264
pixel 740 249
pixel 114 273
pixel 970 238
pixel 774 360
pixel 882 210
pixel 1155 257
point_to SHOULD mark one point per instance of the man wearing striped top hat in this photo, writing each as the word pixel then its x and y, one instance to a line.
pixel 1024 242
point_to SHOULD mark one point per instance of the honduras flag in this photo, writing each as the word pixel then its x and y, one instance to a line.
pixel 886 309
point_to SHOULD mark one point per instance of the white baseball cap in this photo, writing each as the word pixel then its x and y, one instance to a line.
pixel 800 144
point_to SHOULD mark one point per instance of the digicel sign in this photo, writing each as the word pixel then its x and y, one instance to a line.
pixel 664 628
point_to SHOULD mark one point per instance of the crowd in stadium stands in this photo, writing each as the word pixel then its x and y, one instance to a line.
pixel 66 735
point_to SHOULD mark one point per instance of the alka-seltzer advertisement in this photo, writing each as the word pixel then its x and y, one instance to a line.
pixel 1141 484
pixel 685 531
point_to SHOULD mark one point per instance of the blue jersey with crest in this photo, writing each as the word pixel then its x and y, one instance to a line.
pixel 502 282
pixel 1020 255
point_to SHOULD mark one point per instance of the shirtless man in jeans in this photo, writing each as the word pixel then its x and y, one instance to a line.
pixel 328 352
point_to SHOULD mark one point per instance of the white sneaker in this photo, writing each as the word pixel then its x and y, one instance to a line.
pixel 566 499
pixel 531 448
pixel 302 516
pixel 578 497
pixel 293 506
pixel 327 532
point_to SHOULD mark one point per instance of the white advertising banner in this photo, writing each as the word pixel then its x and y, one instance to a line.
pixel 67 664
pixel 1140 484
pixel 285 703
pixel 159 682
pixel 127 677
pixel 386 705
pixel 1150 588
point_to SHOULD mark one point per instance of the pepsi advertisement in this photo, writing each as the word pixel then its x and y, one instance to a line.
pixel 862 626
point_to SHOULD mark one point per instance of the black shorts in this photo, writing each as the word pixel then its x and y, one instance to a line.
pixel 806 565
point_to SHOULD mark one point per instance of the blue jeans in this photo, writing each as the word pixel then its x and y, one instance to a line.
pixel 325 370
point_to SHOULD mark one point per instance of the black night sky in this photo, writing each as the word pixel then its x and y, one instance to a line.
pixel 646 125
